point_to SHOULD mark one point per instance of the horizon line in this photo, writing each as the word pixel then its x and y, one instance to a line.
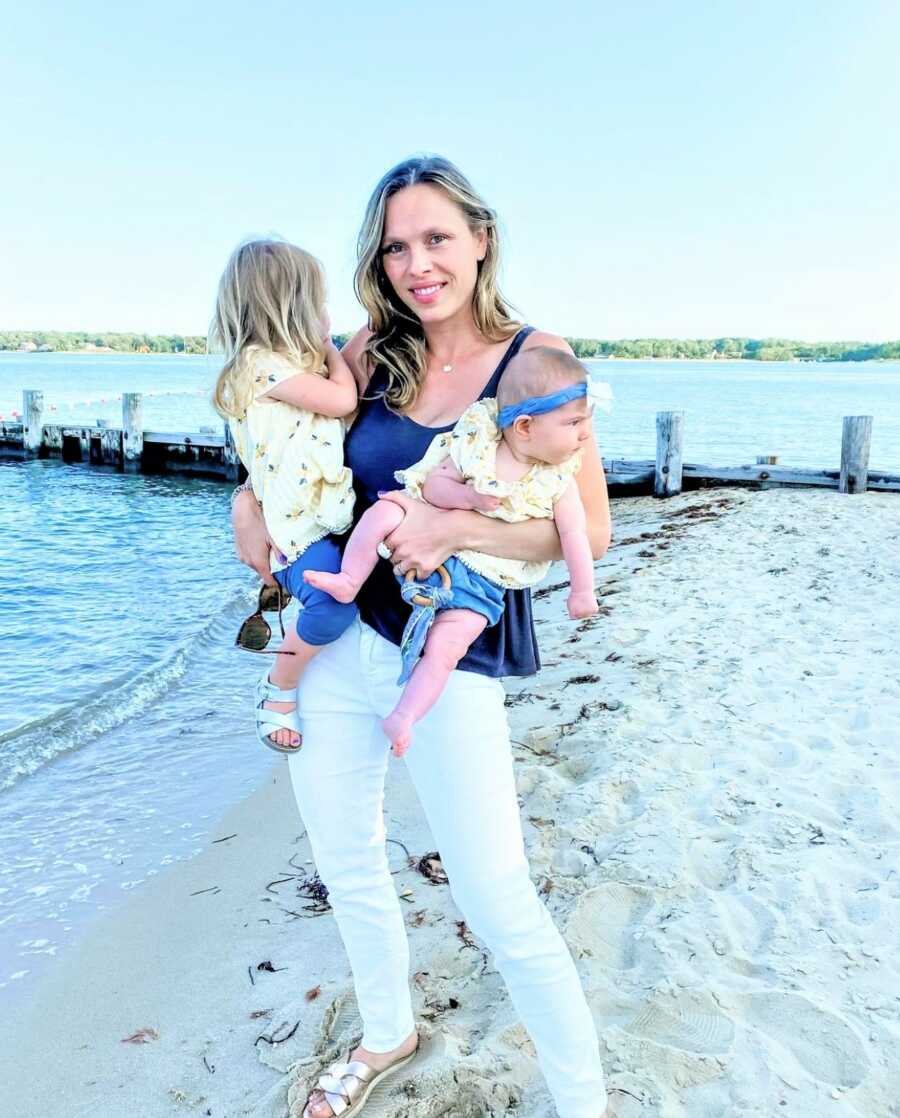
pixel 576 337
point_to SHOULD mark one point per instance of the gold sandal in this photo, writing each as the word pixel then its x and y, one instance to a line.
pixel 347 1085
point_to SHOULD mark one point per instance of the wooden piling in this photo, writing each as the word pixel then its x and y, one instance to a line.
pixel 32 427
pixel 855 445
pixel 669 442
pixel 132 432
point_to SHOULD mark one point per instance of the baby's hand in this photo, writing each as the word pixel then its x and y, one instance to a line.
pixel 483 502
pixel 582 605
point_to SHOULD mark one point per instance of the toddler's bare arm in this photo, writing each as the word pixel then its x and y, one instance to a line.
pixel 334 395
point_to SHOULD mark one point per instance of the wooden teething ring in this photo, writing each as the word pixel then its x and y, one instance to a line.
pixel 421 600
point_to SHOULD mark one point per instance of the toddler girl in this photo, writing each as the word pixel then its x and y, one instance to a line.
pixel 513 458
pixel 285 390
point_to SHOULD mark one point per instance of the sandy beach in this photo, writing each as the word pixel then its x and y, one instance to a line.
pixel 708 774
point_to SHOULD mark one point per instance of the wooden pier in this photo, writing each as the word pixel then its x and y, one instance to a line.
pixel 129 448
pixel 208 453
pixel 669 474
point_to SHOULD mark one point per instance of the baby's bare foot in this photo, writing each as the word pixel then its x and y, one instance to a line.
pixel 339 586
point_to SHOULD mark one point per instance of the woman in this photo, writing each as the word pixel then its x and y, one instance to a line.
pixel 440 334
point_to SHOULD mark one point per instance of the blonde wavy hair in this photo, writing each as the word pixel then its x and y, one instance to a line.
pixel 271 295
pixel 398 340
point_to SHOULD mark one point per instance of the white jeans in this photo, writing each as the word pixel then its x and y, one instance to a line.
pixel 461 765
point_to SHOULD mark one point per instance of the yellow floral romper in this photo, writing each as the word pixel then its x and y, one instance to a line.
pixel 472 447
pixel 295 460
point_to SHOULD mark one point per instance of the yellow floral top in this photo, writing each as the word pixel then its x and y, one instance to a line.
pixel 472 447
pixel 295 460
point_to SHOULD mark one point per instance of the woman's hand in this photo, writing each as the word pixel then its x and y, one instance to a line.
pixel 252 542
pixel 426 538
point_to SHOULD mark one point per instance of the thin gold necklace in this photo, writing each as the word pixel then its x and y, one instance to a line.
pixel 449 367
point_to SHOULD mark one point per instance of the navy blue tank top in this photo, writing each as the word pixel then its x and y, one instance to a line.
pixel 380 442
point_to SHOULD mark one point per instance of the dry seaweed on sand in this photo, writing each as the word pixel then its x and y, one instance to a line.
pixel 430 866
pixel 142 1036
pixel 309 886
pixel 274 1038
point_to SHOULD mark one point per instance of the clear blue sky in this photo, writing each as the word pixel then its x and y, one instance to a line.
pixel 670 169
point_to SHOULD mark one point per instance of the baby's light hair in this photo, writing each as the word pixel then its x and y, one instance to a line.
pixel 538 371
pixel 271 294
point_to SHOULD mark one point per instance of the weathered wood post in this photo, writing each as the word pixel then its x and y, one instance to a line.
pixel 32 428
pixel 855 445
pixel 231 457
pixel 132 432
pixel 669 440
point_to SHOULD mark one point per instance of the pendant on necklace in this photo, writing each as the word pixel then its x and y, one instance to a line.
pixel 447 368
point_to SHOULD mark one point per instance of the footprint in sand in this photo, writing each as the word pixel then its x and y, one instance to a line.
pixel 711 861
pixel 619 802
pixel 824 1045
pixel 863 907
pixel 750 924
pixel 684 1023
pixel 626 796
pixel 603 923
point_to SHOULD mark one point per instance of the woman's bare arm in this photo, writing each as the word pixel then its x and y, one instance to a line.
pixel 252 543
pixel 429 536
pixel 353 354
pixel 591 477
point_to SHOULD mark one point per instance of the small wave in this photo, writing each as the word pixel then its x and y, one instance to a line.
pixel 32 745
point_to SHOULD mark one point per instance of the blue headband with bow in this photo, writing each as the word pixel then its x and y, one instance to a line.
pixel 537 405
pixel 598 392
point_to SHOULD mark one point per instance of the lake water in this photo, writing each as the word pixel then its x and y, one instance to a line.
pixel 121 695
pixel 734 410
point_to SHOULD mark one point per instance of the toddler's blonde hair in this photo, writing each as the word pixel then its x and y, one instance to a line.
pixel 271 295
pixel 538 371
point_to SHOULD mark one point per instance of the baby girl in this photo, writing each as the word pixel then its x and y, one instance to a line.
pixel 513 458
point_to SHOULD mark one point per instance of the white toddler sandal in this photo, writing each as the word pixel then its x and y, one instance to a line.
pixel 268 721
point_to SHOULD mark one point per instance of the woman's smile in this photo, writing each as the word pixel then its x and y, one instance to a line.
pixel 429 293
pixel 429 254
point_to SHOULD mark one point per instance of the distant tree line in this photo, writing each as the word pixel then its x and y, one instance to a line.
pixel 753 349
pixel 53 340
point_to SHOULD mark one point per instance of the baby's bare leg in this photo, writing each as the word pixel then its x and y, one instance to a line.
pixel 449 640
pixel 360 555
